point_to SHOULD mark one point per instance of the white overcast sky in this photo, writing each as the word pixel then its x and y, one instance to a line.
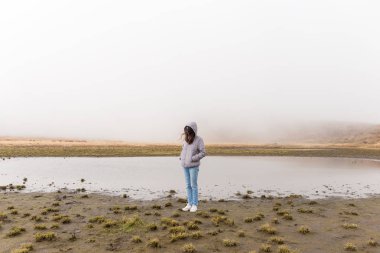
pixel 139 70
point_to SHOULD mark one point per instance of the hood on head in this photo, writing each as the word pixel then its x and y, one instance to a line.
pixel 193 126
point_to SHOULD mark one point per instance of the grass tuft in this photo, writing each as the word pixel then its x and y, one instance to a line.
pixel 371 242
pixel 188 248
pixel 154 243
pixel 136 239
pixel 304 230
pixel 265 248
pixel 48 236
pixel 350 247
pixel 229 243
pixel 350 226
pixel 268 229
pixel 97 219
pixel 178 236
pixel 131 223
pixel 15 231
pixel 40 227
pixel 277 239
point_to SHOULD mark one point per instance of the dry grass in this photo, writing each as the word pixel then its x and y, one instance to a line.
pixel 265 248
pixel 24 248
pixel 48 236
pixel 178 236
pixel 154 243
pixel 350 226
pixel 229 243
pixel 268 229
pixel 304 230
pixel 372 243
pixel 136 239
pixel 350 247
pixel 188 248
pixel 15 231
pixel 277 239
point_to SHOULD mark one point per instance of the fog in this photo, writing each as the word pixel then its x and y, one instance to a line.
pixel 139 70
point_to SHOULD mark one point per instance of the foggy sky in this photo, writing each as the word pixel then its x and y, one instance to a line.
pixel 139 70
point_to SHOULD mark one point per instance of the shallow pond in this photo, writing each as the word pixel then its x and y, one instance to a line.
pixel 219 177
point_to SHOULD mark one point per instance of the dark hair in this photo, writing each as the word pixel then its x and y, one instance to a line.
pixel 189 134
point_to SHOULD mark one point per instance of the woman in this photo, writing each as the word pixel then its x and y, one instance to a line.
pixel 193 150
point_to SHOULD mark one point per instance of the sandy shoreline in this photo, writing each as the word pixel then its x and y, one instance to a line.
pixel 99 223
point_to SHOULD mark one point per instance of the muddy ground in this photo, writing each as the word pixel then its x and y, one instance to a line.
pixel 79 222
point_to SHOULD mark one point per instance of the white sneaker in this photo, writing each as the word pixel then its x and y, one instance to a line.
pixel 186 208
pixel 193 208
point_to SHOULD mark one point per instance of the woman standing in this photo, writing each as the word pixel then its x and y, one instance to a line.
pixel 193 150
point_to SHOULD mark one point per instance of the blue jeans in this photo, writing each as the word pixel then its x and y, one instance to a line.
pixel 191 176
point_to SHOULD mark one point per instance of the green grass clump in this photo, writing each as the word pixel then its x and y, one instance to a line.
pixel 304 230
pixel 40 227
pixel 265 248
pixel 116 209
pixel 284 249
pixel 52 210
pixel 371 242
pixel 20 250
pixel 350 247
pixel 178 236
pixel 283 212
pixel 268 229
pixel 287 217
pixel 24 248
pixel 216 220
pixel 65 220
pixel 15 231
pixel 152 227
pixel 192 226
pixel 130 208
pixel 157 207
pixel 36 218
pixel 229 243
pixel 350 226
pixel 110 223
pixel 48 236
pixel 188 248
pixel 154 243
pixel 303 210
pixel 136 239
pixel 54 226
pixel 277 239
pixel 203 214
pixel 169 222
pixel 177 229
pixel 97 219
pixel 196 235
pixel 3 216
pixel 129 223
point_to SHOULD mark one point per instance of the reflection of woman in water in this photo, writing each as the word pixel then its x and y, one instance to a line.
pixel 193 150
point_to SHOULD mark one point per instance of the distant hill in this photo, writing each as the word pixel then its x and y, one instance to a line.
pixel 310 134
pixel 334 133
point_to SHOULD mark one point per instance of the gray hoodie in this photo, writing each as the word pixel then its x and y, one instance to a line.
pixel 192 153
